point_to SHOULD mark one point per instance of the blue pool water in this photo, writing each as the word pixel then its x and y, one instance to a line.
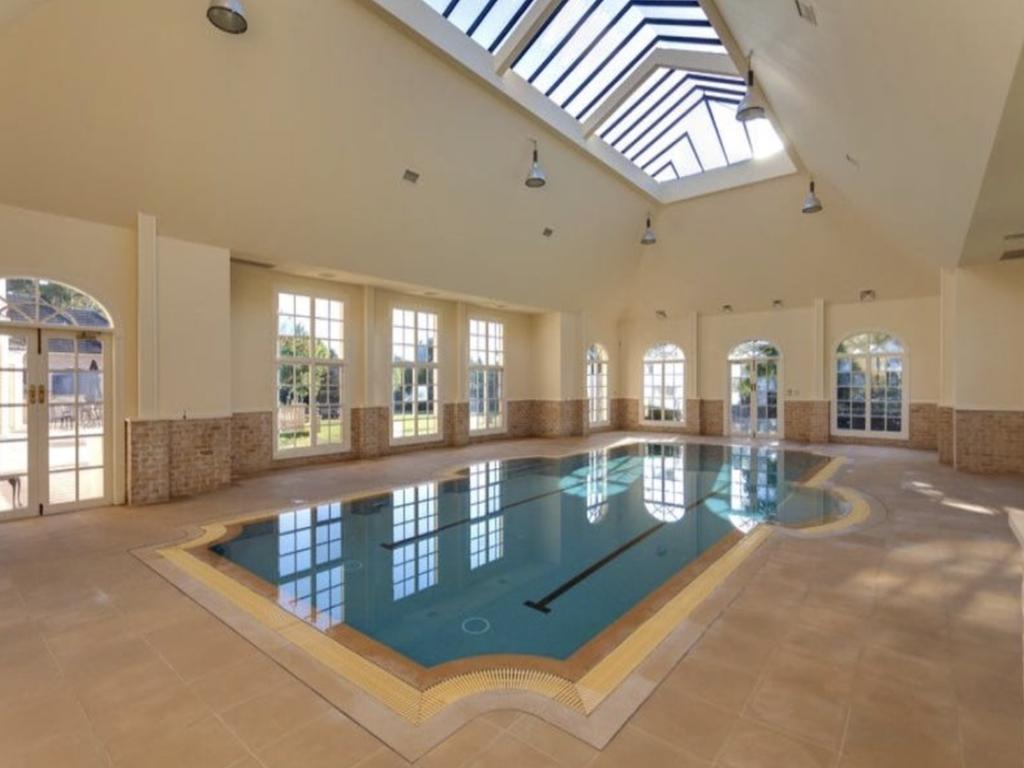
pixel 524 556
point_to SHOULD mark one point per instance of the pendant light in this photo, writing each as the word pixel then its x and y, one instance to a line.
pixel 811 203
pixel 649 237
pixel 227 16
pixel 536 178
pixel 752 106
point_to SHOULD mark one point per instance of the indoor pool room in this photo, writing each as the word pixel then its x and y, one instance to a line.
pixel 532 383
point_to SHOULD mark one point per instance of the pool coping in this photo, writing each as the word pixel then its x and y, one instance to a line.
pixel 410 719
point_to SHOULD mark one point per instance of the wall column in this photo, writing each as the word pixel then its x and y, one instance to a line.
pixel 148 313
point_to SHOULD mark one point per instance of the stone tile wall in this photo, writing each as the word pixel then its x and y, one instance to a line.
pixel 252 442
pixel 944 434
pixel 807 421
pixel 712 418
pixel 989 442
pixel 148 445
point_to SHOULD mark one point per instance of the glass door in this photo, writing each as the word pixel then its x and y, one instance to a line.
pixel 17 494
pixel 754 390
pixel 74 409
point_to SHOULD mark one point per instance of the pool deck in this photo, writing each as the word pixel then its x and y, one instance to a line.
pixel 897 643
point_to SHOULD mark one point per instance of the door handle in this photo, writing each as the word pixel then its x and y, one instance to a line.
pixel 31 394
pixel 42 394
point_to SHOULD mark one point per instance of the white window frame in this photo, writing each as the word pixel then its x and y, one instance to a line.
pixel 311 361
pixel 867 432
pixel 488 367
pixel 416 366
pixel 681 421
pixel 598 399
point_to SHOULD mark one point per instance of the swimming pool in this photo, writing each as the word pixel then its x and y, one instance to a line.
pixel 524 557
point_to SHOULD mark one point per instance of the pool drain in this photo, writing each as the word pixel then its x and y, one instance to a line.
pixel 476 626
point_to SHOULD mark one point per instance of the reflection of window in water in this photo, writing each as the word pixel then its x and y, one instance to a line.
pixel 754 481
pixel 665 483
pixel 597 486
pixel 414 565
pixel 311 578
pixel 486 537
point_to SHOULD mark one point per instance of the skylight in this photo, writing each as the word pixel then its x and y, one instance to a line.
pixel 651 79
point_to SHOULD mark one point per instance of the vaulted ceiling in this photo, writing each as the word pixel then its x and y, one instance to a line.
pixel 288 144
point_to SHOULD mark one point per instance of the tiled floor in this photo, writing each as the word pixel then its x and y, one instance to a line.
pixel 899 645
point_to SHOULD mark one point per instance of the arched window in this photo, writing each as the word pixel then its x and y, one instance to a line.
pixel 870 385
pixel 664 394
pixel 597 386
pixel 665 483
pixel 25 300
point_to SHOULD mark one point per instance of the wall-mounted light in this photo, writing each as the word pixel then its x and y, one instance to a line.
pixel 777 304
pixel 227 16
pixel 649 237
pixel 536 178
pixel 811 203
pixel 727 308
pixel 867 295
pixel 752 106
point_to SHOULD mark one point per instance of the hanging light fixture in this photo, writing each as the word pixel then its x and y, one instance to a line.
pixel 227 16
pixel 649 237
pixel 811 203
pixel 752 106
pixel 536 178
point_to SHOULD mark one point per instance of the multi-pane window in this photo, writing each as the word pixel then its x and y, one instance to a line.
pixel 597 386
pixel 486 375
pixel 487 531
pixel 311 577
pixel 870 379
pixel 414 532
pixel 665 482
pixel 414 382
pixel 310 359
pixel 664 396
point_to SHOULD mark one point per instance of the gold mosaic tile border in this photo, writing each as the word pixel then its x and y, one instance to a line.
pixel 416 706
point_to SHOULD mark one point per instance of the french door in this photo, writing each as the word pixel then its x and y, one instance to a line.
pixel 55 447
pixel 754 397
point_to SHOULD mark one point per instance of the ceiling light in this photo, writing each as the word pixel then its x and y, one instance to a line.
pixel 227 16
pixel 811 203
pixel 548 232
pixel 727 308
pixel 752 106
pixel 536 178
pixel 649 237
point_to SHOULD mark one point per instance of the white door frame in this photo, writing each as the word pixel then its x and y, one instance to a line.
pixel 779 396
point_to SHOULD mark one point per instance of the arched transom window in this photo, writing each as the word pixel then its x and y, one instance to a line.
pixel 25 300
pixel 754 350
pixel 597 386
pixel 870 385
pixel 664 394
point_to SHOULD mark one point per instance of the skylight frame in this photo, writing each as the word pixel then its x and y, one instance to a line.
pixel 495 69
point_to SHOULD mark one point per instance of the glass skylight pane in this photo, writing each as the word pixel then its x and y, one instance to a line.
pixel 764 138
pixel 557 32
pixel 658 114
pixel 495 26
pixel 643 106
pixel 731 130
pixel 666 129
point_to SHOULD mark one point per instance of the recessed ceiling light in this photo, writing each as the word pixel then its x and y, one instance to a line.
pixel 868 295
pixel 727 308
pixel 548 232
pixel 411 176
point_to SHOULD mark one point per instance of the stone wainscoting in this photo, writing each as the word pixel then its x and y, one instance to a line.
pixel 806 421
pixel 988 442
pixel 712 418
pixel 170 459
pixel 944 434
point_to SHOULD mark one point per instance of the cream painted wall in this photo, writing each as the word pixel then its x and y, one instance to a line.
pixel 193 330
pixel 914 321
pixel 791 330
pixel 989 363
